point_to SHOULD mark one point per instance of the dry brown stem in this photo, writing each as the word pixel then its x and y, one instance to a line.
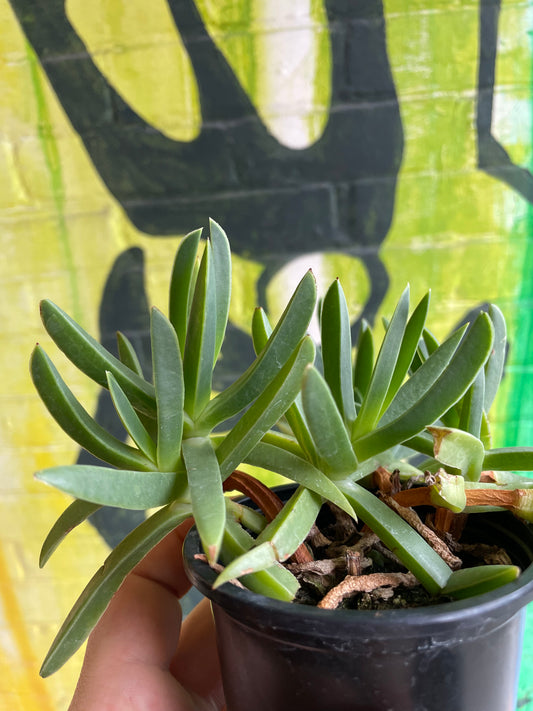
pixel 412 518
pixel 364 583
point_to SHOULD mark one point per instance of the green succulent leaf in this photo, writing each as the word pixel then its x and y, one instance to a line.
pixel 169 391
pixel 207 496
pixel 94 599
pixel 182 283
pixel 380 380
pixel 431 390
pixel 364 360
pixel 222 267
pixel 458 449
pixel 496 361
pixel 199 356
pixel 508 459
pixel 337 351
pixel 129 418
pixel 276 582
pixel 115 487
pixel 408 347
pixel 78 512
pixel 468 582
pixel 285 338
pixel 274 457
pixel 266 410
pixel 93 359
pixel 76 421
pixel 251 519
pixel 417 555
pixel 330 439
pixel 128 355
pixel 279 540
pixel 261 330
pixel 471 406
pixel 448 492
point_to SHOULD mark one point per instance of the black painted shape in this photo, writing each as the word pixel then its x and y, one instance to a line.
pixel 492 156
pixel 123 308
pixel 338 194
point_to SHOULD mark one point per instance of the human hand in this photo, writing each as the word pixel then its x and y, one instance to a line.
pixel 140 657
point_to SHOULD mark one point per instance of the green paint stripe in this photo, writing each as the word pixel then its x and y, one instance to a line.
pixel 52 159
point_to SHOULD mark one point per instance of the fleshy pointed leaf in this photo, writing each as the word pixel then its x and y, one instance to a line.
pixel 273 456
pixel 437 394
pixel 408 346
pixel 286 336
pixel 207 496
pixel 417 555
pixel 199 355
pixel 468 582
pixel 94 599
pixel 508 459
pixel 76 421
pixel 93 359
pixel 78 512
pixel 330 439
pixel 169 391
pixel 371 407
pixel 128 355
pixel 495 363
pixel 222 268
pixel 364 360
pixel 131 421
pixel 265 411
pixel 472 406
pixel 115 487
pixel 279 540
pixel 276 582
pixel 336 343
pixel 458 449
pixel 182 284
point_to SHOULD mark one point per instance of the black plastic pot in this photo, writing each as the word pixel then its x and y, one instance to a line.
pixel 460 656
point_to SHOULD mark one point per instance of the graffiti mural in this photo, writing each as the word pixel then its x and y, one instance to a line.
pixel 385 142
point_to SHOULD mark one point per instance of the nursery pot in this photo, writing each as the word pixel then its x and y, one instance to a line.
pixel 457 656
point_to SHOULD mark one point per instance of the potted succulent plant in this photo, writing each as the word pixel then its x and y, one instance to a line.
pixel 389 454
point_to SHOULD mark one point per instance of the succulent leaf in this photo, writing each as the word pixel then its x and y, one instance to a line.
pixel 276 581
pixel 286 336
pixel 72 516
pixel 382 373
pixel 128 355
pixel 93 359
pixel 468 582
pixel 182 283
pixel 458 449
pixel 94 599
pixel 169 391
pixel 337 351
pixel 220 248
pixel 330 438
pixel 437 392
pixel 265 411
pixel 115 487
pixel 417 555
pixel 76 421
pixel 199 355
pixel 131 421
pixel 207 496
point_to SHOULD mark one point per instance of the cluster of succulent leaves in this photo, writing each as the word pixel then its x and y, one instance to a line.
pixel 323 421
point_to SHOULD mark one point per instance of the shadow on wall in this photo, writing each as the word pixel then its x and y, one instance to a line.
pixel 336 195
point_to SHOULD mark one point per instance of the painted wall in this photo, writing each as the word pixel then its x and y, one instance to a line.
pixel 382 142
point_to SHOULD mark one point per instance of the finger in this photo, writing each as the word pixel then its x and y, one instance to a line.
pixel 196 662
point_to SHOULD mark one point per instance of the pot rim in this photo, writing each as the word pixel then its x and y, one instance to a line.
pixel 494 607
